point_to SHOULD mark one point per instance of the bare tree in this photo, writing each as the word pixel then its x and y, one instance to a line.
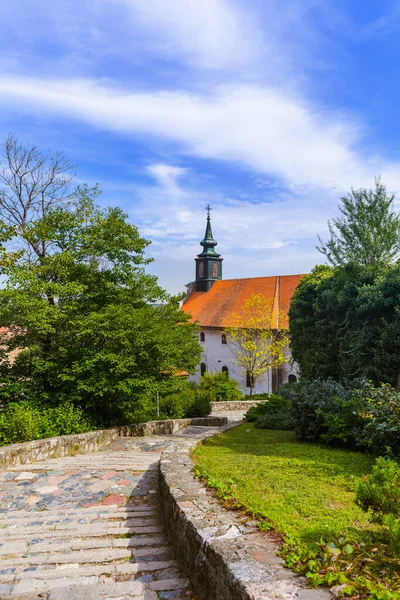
pixel 31 183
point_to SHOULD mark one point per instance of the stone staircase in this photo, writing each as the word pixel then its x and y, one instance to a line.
pixel 88 527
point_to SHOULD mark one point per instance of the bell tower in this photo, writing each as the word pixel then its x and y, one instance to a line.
pixel 208 262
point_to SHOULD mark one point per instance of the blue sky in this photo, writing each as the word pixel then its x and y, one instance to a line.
pixel 267 110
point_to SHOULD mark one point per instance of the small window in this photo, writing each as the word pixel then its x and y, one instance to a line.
pixel 201 269
pixel 202 337
pixel 215 270
pixel 203 369
pixel 292 379
pixel 223 338
pixel 249 380
pixel 225 370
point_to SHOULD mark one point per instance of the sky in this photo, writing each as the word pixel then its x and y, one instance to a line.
pixel 269 111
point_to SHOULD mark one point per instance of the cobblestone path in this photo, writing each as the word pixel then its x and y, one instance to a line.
pixel 88 527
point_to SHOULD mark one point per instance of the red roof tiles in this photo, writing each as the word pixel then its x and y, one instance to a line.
pixel 226 298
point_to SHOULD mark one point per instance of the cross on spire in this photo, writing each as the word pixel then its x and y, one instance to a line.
pixel 208 209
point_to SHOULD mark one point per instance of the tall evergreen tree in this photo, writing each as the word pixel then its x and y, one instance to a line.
pixel 367 233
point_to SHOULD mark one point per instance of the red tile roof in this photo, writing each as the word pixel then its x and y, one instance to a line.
pixel 226 298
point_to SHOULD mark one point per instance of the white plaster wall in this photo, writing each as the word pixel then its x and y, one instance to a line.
pixel 217 355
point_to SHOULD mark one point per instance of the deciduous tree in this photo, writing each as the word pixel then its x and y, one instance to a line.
pixel 256 338
pixel 91 325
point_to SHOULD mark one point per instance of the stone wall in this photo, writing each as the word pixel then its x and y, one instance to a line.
pixel 236 405
pixel 93 441
pixel 223 553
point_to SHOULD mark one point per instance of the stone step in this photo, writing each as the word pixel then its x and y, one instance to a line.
pixel 153 556
pixel 114 569
pixel 100 591
pixel 120 549
pixel 62 522
pixel 69 577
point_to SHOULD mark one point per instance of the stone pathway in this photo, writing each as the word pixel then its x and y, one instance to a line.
pixel 88 527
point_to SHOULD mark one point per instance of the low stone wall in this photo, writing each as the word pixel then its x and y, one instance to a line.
pixel 223 553
pixel 170 427
pixel 237 405
pixel 93 441
pixel 65 445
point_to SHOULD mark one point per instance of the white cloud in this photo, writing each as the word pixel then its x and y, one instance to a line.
pixel 207 33
pixel 257 127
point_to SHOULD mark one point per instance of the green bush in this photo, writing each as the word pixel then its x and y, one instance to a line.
pixel 276 415
pixel 380 491
pixel 221 386
pixel 201 406
pixel 23 421
pixel 261 396
pixel 186 404
pixel 379 410
pixel 312 402
pixel 255 412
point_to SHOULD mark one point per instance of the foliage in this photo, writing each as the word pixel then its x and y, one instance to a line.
pixel 24 421
pixel 380 414
pixel 188 401
pixel 221 387
pixel 276 415
pixel 261 396
pixel 306 493
pixel 256 411
pixel 355 414
pixel 379 492
pixel 256 338
pixel 368 231
pixel 312 402
pixel 84 313
pixel 345 323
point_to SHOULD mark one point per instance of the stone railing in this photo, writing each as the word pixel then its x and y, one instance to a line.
pixel 93 441
pixel 237 405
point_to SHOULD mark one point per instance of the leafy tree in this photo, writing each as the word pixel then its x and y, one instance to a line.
pixel 91 326
pixel 368 231
pixel 255 340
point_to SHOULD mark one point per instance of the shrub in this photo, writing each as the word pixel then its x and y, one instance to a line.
pixel 276 414
pixel 19 422
pixel 380 491
pixel 201 406
pixel 261 396
pixel 65 419
pixel 176 405
pixel 24 421
pixel 221 386
pixel 187 403
pixel 255 412
pixel 380 415
pixel 311 402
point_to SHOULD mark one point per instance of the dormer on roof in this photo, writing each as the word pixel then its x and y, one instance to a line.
pixel 208 262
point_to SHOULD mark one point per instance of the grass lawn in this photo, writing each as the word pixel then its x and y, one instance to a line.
pixel 306 491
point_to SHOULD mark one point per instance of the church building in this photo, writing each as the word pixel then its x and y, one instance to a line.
pixel 213 301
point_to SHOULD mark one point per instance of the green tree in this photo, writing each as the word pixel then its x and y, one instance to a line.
pixel 256 342
pixel 87 323
pixel 368 231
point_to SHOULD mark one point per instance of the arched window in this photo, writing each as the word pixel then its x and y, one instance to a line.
pixel 202 337
pixel 225 370
pixel 223 338
pixel 201 269
pixel 292 379
pixel 203 369
pixel 214 270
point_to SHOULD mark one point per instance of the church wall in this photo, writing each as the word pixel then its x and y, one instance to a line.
pixel 217 355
